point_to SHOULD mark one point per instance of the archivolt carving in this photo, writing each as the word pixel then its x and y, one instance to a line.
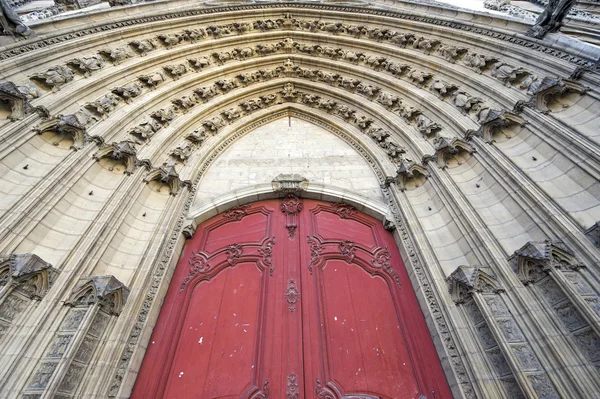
pixel 410 175
pixel 87 65
pixel 104 105
pixel 145 130
pixel 144 46
pixel 152 80
pixel 116 55
pixel 493 121
pixel 128 91
pixel 547 90
pixel 55 77
pixel 175 70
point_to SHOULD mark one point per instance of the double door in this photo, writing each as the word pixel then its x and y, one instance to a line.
pixel 291 299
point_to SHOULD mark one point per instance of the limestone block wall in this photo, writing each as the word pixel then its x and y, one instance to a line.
pixel 127 127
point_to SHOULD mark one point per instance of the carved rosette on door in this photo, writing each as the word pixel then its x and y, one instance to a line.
pixel 252 314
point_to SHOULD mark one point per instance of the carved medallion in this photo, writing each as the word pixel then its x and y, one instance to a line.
pixel 236 214
pixel 315 252
pixel 348 250
pixel 198 265
pixel 292 294
pixel 291 207
pixel 292 391
pixel 267 252
pixel 381 260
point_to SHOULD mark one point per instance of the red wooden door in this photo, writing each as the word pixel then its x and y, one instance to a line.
pixel 291 299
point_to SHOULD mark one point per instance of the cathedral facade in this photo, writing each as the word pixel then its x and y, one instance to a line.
pixel 447 161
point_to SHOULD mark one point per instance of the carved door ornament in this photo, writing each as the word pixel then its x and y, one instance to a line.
pixel 291 207
pixel 292 294
pixel 292 391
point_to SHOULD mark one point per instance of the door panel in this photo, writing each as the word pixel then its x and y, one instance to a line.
pixel 220 330
pixel 365 346
pixel 290 299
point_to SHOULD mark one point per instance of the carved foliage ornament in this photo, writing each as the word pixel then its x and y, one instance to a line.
pixel 198 265
pixel 381 260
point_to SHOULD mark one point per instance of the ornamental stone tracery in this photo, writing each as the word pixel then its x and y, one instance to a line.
pixel 448 114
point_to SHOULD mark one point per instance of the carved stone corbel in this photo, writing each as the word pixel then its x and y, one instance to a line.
pixel 451 148
pixel 188 231
pixel 466 280
pixel 410 175
pixel 167 175
pixel 106 291
pixel 26 273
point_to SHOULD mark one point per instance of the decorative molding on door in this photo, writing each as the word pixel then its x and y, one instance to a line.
pixel 330 391
pixel 292 294
pixel 266 250
pixel 291 207
pixel 198 264
pixel 348 250
pixel 381 260
pixel 234 251
pixel 344 211
pixel 315 252
pixel 262 394
pixel 237 213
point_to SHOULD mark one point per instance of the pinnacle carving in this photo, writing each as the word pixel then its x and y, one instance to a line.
pixel 536 258
pixel 466 280
pixel 27 273
pixel 106 291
